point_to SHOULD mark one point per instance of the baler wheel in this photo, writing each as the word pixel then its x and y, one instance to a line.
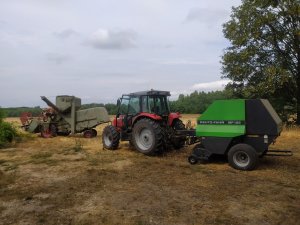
pixel 192 159
pixel 110 137
pixel 147 136
pixel 242 157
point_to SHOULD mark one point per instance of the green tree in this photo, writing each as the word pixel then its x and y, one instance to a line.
pixel 263 59
pixel 196 102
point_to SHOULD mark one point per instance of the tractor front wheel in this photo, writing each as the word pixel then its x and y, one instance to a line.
pixel 110 137
pixel 147 136
pixel 242 157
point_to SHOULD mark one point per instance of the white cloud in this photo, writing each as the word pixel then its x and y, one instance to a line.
pixel 16 39
pixel 206 15
pixel 217 85
pixel 66 33
pixel 57 58
pixel 210 86
pixel 107 39
pixel 184 62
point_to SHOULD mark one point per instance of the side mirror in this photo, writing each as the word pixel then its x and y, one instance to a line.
pixel 119 102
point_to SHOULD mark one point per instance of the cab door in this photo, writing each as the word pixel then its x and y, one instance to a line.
pixel 129 107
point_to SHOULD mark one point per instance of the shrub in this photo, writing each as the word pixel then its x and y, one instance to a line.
pixel 7 132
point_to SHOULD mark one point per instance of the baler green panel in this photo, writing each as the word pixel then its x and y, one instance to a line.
pixel 223 118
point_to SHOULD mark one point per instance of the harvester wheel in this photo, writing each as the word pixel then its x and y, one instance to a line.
pixel 49 132
pixel 110 137
pixel 53 130
pixel 147 136
pixel 192 159
pixel 94 132
pixel 242 157
pixel 178 125
pixel 88 134
pixel 45 133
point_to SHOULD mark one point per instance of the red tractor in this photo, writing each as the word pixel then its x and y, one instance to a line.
pixel 144 119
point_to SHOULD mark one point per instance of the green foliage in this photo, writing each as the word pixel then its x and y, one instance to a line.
pixel 16 111
pixel 263 59
pixel 1 115
pixel 36 111
pixel 197 102
pixel 7 131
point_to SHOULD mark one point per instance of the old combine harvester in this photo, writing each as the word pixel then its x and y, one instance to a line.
pixel 240 129
pixel 64 118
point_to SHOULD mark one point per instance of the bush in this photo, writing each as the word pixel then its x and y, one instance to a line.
pixel 7 132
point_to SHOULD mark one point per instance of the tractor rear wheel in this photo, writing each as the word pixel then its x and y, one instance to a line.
pixel 242 157
pixel 110 137
pixel 147 136
pixel 178 125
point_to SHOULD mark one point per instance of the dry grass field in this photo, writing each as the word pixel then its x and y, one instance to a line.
pixel 72 180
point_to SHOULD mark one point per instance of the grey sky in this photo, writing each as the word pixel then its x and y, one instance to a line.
pixel 98 49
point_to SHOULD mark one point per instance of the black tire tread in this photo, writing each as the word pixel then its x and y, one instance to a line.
pixel 157 133
pixel 249 150
pixel 115 137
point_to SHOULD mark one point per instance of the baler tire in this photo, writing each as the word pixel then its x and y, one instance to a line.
pixel 242 157
pixel 178 125
pixel 110 137
pixel 147 136
pixel 192 160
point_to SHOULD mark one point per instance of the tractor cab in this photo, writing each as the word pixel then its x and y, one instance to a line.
pixel 152 104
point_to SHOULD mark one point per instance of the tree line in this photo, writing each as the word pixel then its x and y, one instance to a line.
pixel 36 111
pixel 194 103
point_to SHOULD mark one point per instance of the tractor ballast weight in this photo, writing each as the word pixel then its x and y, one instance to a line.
pixel 241 129
pixel 64 117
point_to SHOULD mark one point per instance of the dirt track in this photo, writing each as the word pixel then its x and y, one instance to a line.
pixel 54 181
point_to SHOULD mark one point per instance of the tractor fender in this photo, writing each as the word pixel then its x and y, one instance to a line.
pixel 172 117
pixel 146 115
